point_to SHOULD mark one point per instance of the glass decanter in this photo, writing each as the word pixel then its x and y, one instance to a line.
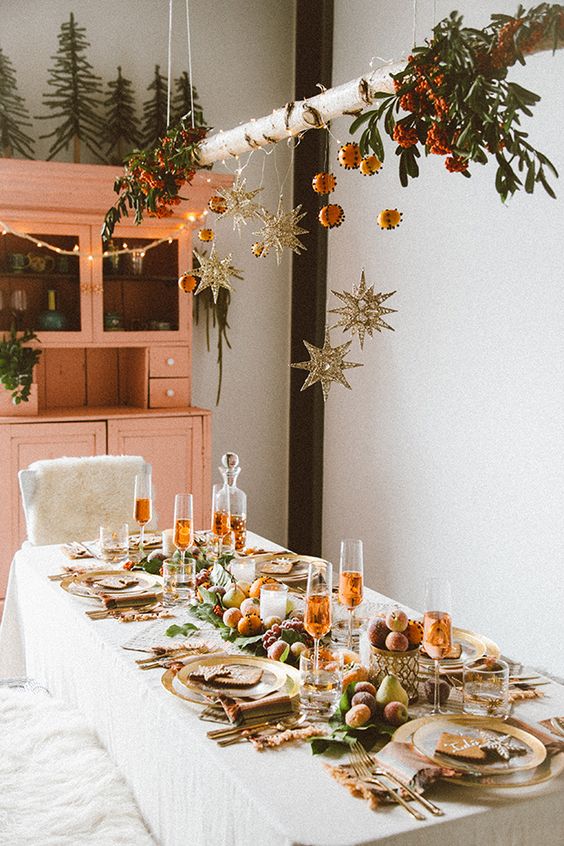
pixel 237 498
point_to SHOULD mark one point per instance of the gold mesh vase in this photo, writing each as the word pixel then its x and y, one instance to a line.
pixel 403 665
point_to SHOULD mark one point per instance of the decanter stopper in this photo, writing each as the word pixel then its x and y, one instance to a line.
pixel 230 468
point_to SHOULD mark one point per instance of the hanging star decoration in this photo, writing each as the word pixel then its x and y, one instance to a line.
pixel 326 365
pixel 239 203
pixel 281 230
pixel 362 311
pixel 214 272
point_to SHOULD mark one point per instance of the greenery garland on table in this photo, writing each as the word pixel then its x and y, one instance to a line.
pixel 460 104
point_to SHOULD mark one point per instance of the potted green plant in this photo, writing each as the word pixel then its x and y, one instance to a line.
pixel 17 362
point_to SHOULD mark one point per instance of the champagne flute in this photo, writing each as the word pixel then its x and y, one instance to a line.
pixel 351 567
pixel 143 504
pixel 317 618
pixel 437 627
pixel 183 523
pixel 221 516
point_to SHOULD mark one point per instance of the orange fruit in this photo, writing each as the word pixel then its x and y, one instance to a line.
pixel 254 592
pixel 249 625
pixel 414 632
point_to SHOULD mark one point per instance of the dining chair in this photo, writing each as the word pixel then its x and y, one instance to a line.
pixel 66 499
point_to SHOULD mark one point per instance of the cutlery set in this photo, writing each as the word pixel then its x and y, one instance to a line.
pixel 243 733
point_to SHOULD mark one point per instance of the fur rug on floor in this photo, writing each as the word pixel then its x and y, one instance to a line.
pixel 58 786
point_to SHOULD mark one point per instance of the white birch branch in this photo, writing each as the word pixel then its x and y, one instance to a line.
pixel 347 99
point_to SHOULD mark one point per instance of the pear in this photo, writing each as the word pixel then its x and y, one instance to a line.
pixel 390 690
pixel 233 598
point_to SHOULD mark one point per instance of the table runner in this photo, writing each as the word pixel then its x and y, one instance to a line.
pixel 193 792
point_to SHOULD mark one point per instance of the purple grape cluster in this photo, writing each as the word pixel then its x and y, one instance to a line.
pixel 275 632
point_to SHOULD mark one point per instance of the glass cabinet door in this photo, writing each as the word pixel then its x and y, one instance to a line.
pixel 141 300
pixel 45 281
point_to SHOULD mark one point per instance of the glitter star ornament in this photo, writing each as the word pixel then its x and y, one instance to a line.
pixel 214 273
pixel 362 310
pixel 326 365
pixel 281 230
pixel 239 203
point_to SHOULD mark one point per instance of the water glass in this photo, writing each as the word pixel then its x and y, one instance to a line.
pixel 486 688
pixel 273 600
pixel 177 582
pixel 114 543
pixel 321 687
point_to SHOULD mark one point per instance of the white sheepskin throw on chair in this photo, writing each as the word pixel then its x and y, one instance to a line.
pixel 58 784
pixel 70 498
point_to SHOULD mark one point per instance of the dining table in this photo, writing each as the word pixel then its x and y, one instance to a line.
pixel 192 792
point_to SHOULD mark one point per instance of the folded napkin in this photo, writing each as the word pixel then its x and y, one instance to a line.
pixel 76 550
pixel 553 746
pixel 242 711
pixel 112 601
pixel 404 761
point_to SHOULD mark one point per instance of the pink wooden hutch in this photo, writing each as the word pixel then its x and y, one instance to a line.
pixel 117 377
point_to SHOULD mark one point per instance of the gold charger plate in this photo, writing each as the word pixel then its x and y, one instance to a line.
pixel 426 736
pixel 273 678
pixel 550 768
pixel 298 572
pixel 74 584
pixel 169 677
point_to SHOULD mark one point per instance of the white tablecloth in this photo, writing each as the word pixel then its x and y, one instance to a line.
pixel 192 792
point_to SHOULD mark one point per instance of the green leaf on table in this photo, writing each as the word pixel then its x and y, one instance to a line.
pixel 219 576
pixel 188 629
pixel 208 597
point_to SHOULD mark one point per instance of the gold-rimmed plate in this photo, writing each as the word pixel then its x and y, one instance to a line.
pixel 550 767
pixel 87 585
pixel 300 565
pixel 426 737
pixel 170 682
pixel 273 677
pixel 152 540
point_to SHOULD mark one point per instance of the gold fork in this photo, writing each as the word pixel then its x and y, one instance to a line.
pixel 362 772
pixel 378 770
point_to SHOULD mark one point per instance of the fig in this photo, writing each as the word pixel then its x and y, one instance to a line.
pixel 396 620
pixel 397 642
pixel 298 648
pixel 367 699
pixel 357 716
pixel 249 606
pixel 279 650
pixel 378 632
pixel 444 691
pixel 365 687
pixel 395 713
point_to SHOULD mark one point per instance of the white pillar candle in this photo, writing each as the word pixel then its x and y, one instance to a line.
pixel 243 570
pixel 168 542
pixel 273 600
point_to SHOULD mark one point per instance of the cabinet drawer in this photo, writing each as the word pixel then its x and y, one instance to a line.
pixel 168 362
pixel 168 393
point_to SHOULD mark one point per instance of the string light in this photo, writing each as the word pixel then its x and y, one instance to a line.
pixel 124 250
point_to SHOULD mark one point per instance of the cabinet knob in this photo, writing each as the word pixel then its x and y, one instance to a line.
pixel 169 392
pixel 171 362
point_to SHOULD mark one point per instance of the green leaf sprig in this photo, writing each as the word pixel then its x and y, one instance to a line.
pixel 17 362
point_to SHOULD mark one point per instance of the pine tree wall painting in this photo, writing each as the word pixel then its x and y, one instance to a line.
pixel 75 97
pixel 13 114
pixel 121 133
pixel 182 104
pixel 154 111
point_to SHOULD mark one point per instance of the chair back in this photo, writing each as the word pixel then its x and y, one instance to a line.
pixel 67 499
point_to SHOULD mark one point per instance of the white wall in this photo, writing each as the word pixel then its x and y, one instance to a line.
pixel 447 455
pixel 243 67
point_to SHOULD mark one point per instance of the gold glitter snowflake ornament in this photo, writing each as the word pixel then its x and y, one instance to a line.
pixel 239 203
pixel 326 365
pixel 281 230
pixel 214 273
pixel 362 311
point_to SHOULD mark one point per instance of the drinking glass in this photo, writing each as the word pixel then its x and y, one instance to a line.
pixel 143 504
pixel 317 617
pixel 321 689
pixel 486 688
pixel 221 517
pixel 114 543
pixel 437 627
pixel 183 523
pixel 351 567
